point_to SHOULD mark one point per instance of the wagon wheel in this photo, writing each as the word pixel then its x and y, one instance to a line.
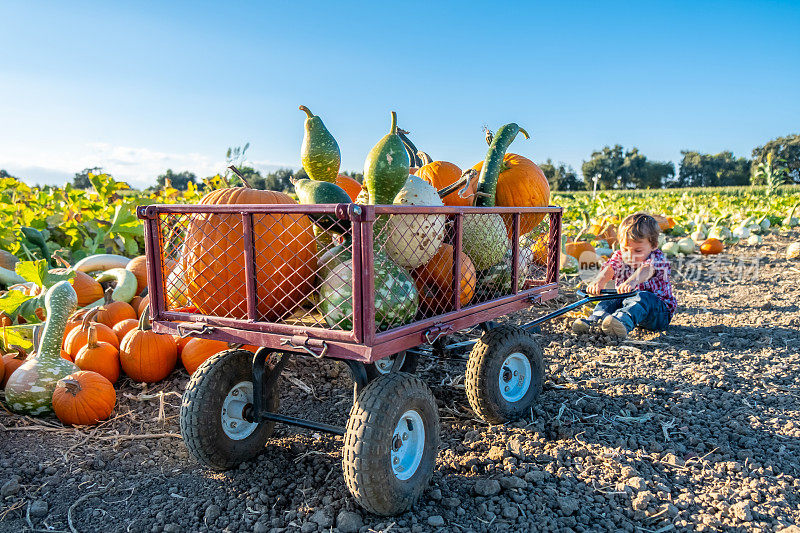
pixel 212 422
pixel 384 366
pixel 504 375
pixel 391 443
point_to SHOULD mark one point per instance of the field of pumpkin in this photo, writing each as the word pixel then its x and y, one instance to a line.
pixel 76 294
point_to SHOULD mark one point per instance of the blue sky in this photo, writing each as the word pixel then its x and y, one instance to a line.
pixel 137 87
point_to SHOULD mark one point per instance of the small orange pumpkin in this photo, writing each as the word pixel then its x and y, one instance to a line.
pixel 11 362
pixel 78 337
pixel 521 184
pixel 100 357
pixel 145 355
pixel 711 246
pixel 434 281
pixel 350 186
pixel 138 265
pixel 441 174
pixel 582 251
pixel 122 327
pixel 83 398
pixel 112 312
pixel 196 351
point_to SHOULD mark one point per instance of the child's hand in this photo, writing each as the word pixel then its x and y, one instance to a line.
pixel 626 286
pixel 594 287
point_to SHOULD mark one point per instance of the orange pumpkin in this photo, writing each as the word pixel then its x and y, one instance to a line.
pixel 145 355
pixel 434 281
pixel 521 184
pixel 440 174
pixel 138 265
pixel 86 287
pixel 122 327
pixel 135 302
pixel 65 355
pixel 83 398
pixel 112 312
pixel 100 357
pixel 711 246
pixel 78 337
pixel 143 304
pixel 577 249
pixel 11 362
pixel 350 186
pixel 663 222
pixel 285 253
pixel 196 351
pixel 539 249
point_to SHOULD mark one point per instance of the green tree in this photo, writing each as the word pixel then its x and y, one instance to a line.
pixel 179 180
pixel 607 166
pixel 786 148
pixel 707 170
pixel 561 177
pixel 81 179
pixel 4 174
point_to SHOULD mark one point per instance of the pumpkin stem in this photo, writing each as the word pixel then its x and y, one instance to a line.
pixel 91 341
pixel 22 354
pixel 88 318
pixel 144 320
pixel 393 125
pixel 72 385
pixel 307 111
pixel 525 133
pixel 424 158
pixel 239 174
pixel 489 135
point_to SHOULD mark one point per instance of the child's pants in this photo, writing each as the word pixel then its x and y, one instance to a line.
pixel 643 309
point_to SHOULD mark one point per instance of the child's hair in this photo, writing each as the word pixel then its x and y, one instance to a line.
pixel 639 227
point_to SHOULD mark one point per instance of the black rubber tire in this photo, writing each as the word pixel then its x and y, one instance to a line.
pixel 409 367
pixel 366 455
pixel 201 412
pixel 483 372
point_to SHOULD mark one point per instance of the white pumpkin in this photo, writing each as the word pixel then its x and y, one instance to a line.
pixel 412 240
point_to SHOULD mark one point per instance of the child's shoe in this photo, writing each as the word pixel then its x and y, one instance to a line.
pixel 586 325
pixel 612 327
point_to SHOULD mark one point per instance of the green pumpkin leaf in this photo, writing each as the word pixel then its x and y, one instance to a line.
pixel 12 300
pixel 16 336
pixel 35 271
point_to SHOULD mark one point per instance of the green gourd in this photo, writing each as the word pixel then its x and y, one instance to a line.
pixel 320 153
pixel 386 167
pixel 30 388
pixel 490 172
pixel 323 192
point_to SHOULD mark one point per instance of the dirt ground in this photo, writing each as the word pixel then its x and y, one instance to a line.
pixel 697 428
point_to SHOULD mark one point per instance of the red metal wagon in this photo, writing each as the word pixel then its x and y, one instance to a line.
pixel 363 288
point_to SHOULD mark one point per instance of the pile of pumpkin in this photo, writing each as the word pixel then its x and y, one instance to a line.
pixel 80 354
pixel 412 263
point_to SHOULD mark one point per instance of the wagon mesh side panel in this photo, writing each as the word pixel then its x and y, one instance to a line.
pixel 422 270
pixel 300 278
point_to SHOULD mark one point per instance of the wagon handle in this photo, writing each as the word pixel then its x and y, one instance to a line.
pixel 304 346
pixel 606 294
pixel 202 331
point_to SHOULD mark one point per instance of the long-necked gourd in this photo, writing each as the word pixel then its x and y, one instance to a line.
pixel 30 389
pixel 319 154
pixel 386 167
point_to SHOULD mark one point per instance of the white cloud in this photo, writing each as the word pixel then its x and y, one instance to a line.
pixel 137 166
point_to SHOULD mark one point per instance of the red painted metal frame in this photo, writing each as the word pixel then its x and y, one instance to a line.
pixel 362 343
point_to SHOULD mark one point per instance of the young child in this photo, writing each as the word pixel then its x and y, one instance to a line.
pixel 637 266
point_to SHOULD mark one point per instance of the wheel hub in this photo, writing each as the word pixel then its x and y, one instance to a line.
pixel 234 407
pixel 408 445
pixel 515 377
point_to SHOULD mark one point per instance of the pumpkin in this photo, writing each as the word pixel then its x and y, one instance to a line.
pixel 138 265
pixel 412 239
pixel 583 251
pixel 609 233
pixel 112 312
pixel 65 355
pixel 350 186
pixel 711 246
pixel 434 281
pixel 122 327
pixel 663 222
pixel 145 355
pixel 78 337
pixel 86 287
pixel 213 267
pixel 440 174
pixel 144 304
pixel 135 302
pixel 30 388
pixel 83 398
pixel 74 321
pixel 100 357
pixel 521 184
pixel 11 362
pixel 539 249
pixel 196 351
